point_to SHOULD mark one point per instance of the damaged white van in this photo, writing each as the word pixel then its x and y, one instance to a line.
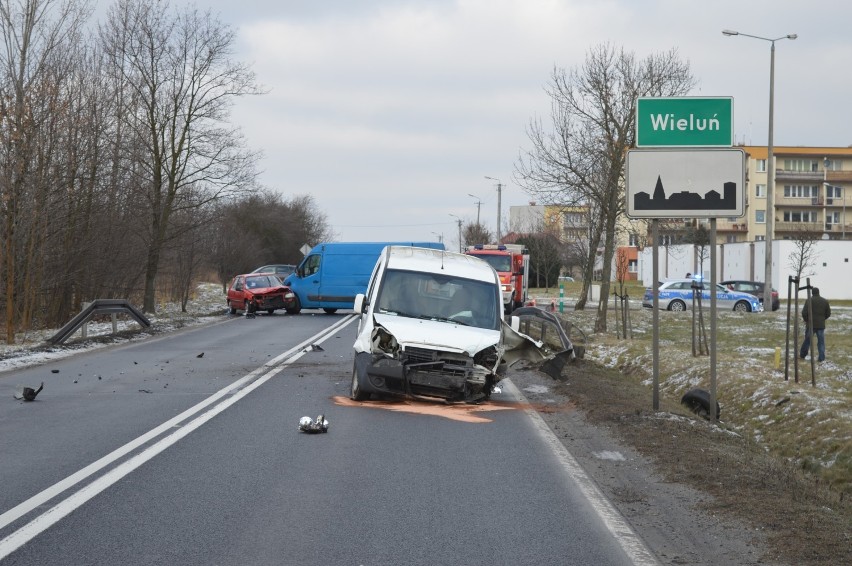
pixel 431 327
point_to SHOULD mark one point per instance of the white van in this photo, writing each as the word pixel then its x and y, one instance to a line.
pixel 431 326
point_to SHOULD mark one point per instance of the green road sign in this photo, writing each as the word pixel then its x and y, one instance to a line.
pixel 685 122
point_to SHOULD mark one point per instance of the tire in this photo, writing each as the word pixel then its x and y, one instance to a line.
pixel 296 308
pixel 698 401
pixel 270 311
pixel 249 307
pixel 330 311
pixel 231 308
pixel 356 393
pixel 677 306
pixel 742 306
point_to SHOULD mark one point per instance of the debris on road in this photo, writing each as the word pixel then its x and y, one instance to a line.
pixel 313 427
pixel 29 394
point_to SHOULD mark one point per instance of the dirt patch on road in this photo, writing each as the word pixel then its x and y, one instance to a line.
pixel 801 521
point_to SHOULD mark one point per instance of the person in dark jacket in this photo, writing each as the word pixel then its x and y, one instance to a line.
pixel 821 310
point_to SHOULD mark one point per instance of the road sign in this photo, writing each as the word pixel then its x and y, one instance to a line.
pixel 686 183
pixel 685 121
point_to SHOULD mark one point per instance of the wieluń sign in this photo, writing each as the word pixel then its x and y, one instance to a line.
pixel 685 121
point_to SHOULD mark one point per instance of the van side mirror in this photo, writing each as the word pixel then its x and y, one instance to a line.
pixel 361 303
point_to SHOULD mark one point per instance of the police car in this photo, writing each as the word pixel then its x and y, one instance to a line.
pixel 677 294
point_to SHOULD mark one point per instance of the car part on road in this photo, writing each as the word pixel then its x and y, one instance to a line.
pixel 313 427
pixel 29 394
pixel 698 401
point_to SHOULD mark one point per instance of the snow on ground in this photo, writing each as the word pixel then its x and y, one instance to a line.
pixel 32 348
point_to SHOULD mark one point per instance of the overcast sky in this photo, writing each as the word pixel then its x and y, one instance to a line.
pixel 391 112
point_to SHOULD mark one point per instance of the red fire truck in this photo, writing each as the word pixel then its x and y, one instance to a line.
pixel 511 262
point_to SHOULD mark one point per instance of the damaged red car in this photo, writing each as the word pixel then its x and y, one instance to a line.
pixel 253 292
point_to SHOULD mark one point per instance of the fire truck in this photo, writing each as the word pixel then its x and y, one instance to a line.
pixel 512 264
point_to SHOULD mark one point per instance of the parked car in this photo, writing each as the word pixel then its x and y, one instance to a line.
pixel 753 288
pixel 431 326
pixel 676 295
pixel 254 292
pixel 281 269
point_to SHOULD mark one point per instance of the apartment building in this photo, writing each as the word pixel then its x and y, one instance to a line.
pixel 811 193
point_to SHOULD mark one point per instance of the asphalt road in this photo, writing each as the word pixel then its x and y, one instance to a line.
pixel 152 453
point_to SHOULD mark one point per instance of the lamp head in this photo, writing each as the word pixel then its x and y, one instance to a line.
pixel 792 36
pixel 729 32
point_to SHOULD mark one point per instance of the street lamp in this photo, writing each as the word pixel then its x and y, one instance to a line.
pixel 440 237
pixel 770 161
pixel 499 188
pixel 459 221
pixel 478 205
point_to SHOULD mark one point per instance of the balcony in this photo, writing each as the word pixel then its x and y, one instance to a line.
pixel 799 176
pixel 838 176
pixel 799 227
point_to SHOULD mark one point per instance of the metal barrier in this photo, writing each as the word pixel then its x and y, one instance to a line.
pixel 96 307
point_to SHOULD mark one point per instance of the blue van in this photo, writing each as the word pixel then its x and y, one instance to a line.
pixel 334 272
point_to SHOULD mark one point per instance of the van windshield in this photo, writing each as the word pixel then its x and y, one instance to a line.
pixel 439 297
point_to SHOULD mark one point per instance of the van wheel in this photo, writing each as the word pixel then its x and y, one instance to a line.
pixel 296 308
pixel 330 311
pixel 357 394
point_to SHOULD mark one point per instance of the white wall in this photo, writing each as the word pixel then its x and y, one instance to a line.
pixel 831 272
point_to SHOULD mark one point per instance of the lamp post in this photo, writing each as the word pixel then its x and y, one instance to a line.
pixel 770 158
pixel 499 188
pixel 440 237
pixel 459 221
pixel 478 206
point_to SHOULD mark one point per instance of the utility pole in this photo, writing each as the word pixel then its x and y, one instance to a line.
pixel 499 190
pixel 459 221
pixel 478 205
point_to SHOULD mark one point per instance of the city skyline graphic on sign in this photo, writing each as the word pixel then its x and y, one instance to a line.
pixel 687 200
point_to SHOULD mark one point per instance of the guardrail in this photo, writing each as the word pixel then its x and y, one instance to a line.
pixel 96 307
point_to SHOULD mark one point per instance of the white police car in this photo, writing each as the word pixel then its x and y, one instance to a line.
pixel 676 295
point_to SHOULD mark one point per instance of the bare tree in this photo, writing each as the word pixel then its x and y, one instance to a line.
pixel 804 254
pixel 581 161
pixel 264 228
pixel 38 36
pixel 474 233
pixel 181 81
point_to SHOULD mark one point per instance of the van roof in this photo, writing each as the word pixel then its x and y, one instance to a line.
pixel 439 261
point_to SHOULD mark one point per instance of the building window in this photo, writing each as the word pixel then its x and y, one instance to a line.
pixel 833 192
pixel 801 191
pixel 633 240
pixel 760 216
pixel 760 191
pixel 760 166
pixel 803 165
pixel 731 239
pixel 760 238
pixel 800 216
pixel 633 266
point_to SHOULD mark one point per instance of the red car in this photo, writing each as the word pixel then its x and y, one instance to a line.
pixel 254 292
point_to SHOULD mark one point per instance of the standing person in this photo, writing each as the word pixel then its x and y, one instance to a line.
pixel 821 310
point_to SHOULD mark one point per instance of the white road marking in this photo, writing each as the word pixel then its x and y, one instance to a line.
pixel 630 543
pixel 237 390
